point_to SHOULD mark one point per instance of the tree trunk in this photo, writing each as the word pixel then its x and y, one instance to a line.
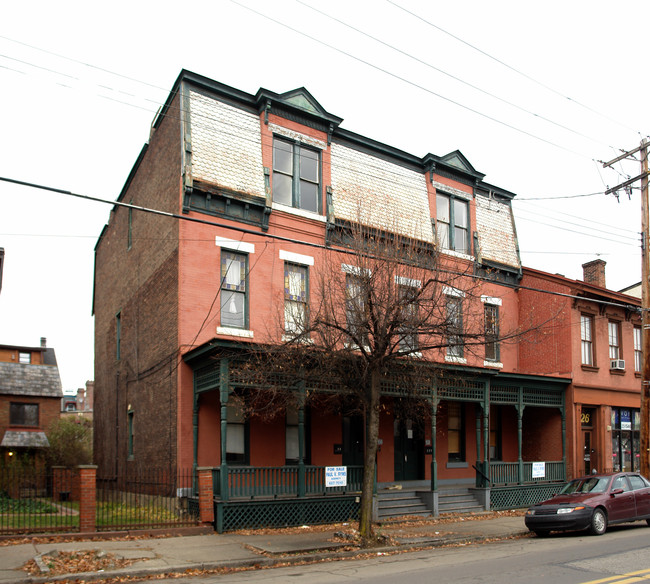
pixel 370 459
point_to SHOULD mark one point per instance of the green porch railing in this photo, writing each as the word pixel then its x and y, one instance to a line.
pixel 507 473
pixel 273 481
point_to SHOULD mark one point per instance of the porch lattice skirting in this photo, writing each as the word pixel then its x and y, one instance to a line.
pixel 521 495
pixel 233 515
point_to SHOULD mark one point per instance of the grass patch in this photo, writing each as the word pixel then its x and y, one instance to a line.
pixel 8 505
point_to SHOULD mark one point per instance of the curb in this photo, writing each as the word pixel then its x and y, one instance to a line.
pixel 266 562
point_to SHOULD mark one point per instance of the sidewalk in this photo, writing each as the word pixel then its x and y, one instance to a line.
pixel 213 551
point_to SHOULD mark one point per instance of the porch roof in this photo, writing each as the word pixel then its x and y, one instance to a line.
pixel 24 439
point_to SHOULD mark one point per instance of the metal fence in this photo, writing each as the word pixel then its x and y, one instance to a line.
pixel 27 504
pixel 146 499
pixel 36 499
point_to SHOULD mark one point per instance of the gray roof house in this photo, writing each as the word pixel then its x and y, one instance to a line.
pixel 30 394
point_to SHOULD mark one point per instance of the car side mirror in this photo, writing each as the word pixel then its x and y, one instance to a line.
pixel 616 492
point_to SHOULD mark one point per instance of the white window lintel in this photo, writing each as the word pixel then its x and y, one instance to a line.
pixel 402 281
pixel 449 291
pixel 296 258
pixel 234 245
pixel 355 270
pixel 492 300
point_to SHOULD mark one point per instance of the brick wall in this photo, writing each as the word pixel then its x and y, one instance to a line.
pixel 546 347
pixel 49 410
pixel 141 284
pixel 542 434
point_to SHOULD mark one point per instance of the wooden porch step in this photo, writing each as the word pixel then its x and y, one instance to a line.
pixel 397 503
pixel 458 501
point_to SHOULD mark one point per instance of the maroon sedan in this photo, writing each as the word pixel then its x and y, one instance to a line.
pixel 593 502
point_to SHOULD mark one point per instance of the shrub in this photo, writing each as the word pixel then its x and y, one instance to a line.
pixel 71 442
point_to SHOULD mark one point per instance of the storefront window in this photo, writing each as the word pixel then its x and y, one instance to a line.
pixel 625 439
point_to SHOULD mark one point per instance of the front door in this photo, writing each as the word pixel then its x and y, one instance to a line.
pixel 409 450
pixel 353 434
pixel 587 451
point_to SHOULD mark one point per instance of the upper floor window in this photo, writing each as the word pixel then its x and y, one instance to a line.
pixel 233 289
pixel 22 414
pixel 295 298
pixel 452 223
pixel 356 306
pixel 409 329
pixel 118 336
pixel 491 332
pixel 638 350
pixel 24 357
pixel 586 339
pixel 130 420
pixel 613 329
pixel 296 175
pixel 455 326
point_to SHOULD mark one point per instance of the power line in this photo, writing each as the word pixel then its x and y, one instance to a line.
pixel 239 135
pixel 244 230
pixel 454 77
pixel 412 83
pixel 578 232
pixel 525 199
pixel 510 67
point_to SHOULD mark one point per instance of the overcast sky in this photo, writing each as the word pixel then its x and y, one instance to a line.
pixel 533 94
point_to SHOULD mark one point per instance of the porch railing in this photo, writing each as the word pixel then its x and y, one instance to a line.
pixel 507 473
pixel 274 481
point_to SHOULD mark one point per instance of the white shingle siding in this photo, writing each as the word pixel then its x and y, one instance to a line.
pixel 495 227
pixel 379 193
pixel 226 145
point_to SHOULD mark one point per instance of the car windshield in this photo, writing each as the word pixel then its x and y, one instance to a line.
pixel 588 485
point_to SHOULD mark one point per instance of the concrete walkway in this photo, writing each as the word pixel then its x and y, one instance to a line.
pixel 213 551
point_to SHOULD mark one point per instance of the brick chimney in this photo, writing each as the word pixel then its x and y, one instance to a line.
pixel 594 273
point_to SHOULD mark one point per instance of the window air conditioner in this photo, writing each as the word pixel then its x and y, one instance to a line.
pixel 617 364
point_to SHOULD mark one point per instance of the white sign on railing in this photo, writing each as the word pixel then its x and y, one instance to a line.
pixel 539 470
pixel 336 476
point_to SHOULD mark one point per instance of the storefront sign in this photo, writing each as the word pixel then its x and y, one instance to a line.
pixel 626 420
pixel 336 476
pixel 539 470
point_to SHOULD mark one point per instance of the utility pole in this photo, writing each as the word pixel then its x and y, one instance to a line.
pixel 644 430
pixel 644 442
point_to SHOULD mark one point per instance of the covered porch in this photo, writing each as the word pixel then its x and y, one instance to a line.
pixel 260 490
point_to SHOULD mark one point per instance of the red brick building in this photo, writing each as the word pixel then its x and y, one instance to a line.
pixel 251 192
pixel 595 337
pixel 30 398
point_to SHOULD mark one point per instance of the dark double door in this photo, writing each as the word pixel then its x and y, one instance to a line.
pixel 408 447
pixel 409 450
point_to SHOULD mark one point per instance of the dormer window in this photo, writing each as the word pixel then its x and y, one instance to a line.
pixel 296 175
pixel 452 223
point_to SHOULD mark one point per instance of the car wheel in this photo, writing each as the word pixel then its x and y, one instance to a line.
pixel 543 532
pixel 648 522
pixel 598 522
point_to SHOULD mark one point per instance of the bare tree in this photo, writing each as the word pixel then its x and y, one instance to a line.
pixel 383 307
pixel 383 304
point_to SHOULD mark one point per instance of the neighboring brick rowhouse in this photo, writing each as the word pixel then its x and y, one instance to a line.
pixel 594 273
